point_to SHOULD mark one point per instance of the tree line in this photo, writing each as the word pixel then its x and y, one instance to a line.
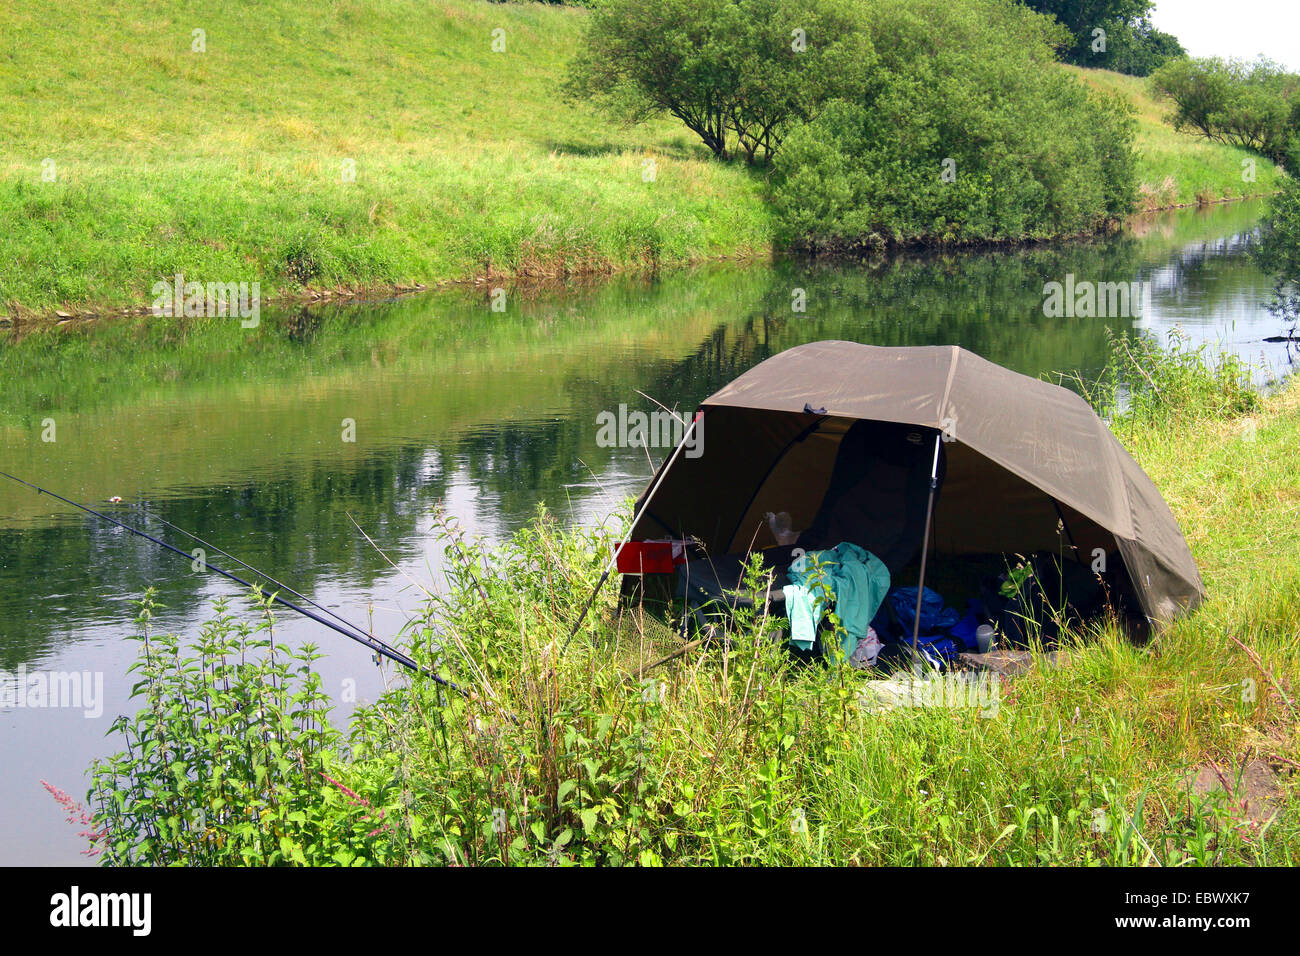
pixel 877 122
pixel 1252 105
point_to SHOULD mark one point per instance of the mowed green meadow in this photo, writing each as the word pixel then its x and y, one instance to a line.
pixel 370 144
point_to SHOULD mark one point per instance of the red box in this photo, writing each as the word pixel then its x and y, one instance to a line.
pixel 645 557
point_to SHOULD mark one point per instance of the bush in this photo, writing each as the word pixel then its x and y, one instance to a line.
pixel 736 72
pixel 1252 105
pixel 229 761
pixel 965 135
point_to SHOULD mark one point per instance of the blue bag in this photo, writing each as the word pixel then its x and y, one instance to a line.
pixel 934 615
pixel 940 649
pixel 964 630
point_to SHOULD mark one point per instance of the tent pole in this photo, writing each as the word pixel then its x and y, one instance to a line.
pixel 925 548
pixel 663 473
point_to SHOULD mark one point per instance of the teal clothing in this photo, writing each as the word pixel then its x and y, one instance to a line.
pixel 857 581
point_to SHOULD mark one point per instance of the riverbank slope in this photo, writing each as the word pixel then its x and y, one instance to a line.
pixel 363 146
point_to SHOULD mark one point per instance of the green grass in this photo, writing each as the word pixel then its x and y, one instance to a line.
pixel 1180 168
pixel 227 165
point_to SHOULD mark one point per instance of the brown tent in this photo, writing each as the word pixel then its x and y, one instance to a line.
pixel 843 437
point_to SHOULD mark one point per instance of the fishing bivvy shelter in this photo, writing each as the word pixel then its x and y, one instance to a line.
pixel 849 439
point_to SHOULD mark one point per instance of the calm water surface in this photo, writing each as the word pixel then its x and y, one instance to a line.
pixel 237 435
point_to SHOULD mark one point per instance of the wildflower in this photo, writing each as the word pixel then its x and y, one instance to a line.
pixel 78 815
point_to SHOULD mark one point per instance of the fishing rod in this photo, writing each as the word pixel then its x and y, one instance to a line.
pixel 351 631
pixel 248 567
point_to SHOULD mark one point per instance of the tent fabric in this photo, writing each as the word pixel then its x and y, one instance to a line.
pixel 879 487
pixel 1029 464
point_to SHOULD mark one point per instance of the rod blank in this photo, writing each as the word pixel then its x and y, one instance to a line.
pixel 351 632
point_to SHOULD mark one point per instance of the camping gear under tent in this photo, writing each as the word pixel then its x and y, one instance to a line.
pixel 843 438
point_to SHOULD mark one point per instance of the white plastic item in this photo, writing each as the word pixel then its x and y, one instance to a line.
pixel 868 649
pixel 779 523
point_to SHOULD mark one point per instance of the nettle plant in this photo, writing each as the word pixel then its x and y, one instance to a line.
pixel 230 758
pixel 562 754
pixel 572 749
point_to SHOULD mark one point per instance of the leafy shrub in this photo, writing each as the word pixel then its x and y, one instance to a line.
pixel 1252 105
pixel 229 760
pixel 734 71
pixel 965 135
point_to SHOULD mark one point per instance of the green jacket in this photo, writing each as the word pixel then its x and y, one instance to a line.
pixel 854 578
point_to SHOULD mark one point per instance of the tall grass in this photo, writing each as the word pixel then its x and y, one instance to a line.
pixel 1147 382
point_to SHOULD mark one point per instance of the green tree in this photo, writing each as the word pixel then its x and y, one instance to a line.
pixel 1083 17
pixel 968 134
pixel 1199 89
pixel 733 71
pixel 1278 251
pixel 1252 105
pixel 1138 49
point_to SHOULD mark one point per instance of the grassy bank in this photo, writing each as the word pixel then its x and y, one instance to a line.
pixel 1180 169
pixel 730 755
pixel 231 164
